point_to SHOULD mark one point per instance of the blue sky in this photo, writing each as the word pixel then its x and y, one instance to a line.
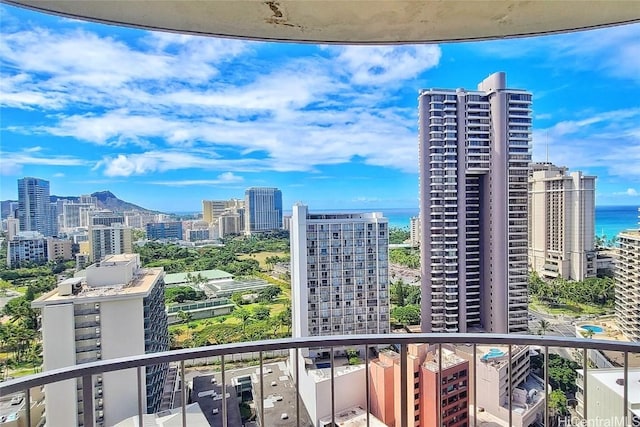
pixel 166 120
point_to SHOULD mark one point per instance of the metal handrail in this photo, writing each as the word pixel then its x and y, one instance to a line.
pixel 93 368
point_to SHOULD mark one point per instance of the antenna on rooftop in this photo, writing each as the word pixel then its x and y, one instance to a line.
pixel 547 144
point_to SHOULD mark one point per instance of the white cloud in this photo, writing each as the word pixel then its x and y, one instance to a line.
pixel 615 50
pixel 223 179
pixel 632 192
pixel 381 65
pixel 162 96
pixel 609 139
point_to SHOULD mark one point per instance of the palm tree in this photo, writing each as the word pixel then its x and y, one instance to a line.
pixel 544 327
pixel 244 315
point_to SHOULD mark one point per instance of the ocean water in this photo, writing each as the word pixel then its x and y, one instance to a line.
pixel 610 220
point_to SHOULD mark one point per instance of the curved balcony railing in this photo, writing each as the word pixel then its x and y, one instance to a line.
pixel 86 371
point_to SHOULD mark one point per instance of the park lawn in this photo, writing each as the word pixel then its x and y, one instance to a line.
pixel 572 309
pixel 261 257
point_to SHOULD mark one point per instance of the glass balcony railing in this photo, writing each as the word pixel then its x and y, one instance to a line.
pixel 466 362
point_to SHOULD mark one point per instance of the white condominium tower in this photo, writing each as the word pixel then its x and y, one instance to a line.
pixel 34 206
pixel 474 158
pixel 339 273
pixel 561 222
pixel 627 275
pixel 263 209
pixel 117 310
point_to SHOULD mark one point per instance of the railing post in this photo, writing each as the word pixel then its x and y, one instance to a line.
pixel 510 387
pixel 585 366
pixel 475 386
pixel 261 390
pixel 625 407
pixel 297 364
pixel 27 398
pixel 224 392
pixel 183 395
pixel 366 382
pixel 440 380
pixel 87 400
pixel 333 390
pixel 140 407
pixel 546 385
pixel 403 385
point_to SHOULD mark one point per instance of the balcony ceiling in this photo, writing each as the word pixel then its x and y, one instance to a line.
pixel 348 21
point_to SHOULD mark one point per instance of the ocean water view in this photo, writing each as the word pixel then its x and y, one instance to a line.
pixel 610 220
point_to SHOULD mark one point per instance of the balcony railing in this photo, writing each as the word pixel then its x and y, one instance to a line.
pixel 400 341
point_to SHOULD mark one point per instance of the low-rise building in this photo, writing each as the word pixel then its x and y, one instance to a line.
pixel 491 379
pixel 164 230
pixel 59 249
pixel 27 247
pixel 605 396
pixel 424 374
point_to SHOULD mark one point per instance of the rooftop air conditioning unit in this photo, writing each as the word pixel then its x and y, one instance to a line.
pixel 76 287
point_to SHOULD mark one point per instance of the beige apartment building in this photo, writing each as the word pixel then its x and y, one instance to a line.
pixel 474 161
pixel 212 209
pixel 561 222
pixel 627 276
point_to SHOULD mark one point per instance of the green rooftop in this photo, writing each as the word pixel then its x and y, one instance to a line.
pixel 177 278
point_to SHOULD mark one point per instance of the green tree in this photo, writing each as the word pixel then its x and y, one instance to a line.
pixel 184 316
pixel 244 315
pixel 407 315
pixel 261 312
pixel 544 326
pixel 398 235
pixel 557 403
pixel 269 293
pixel 399 292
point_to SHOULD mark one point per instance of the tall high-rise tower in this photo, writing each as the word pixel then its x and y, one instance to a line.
pixel 34 206
pixel 627 275
pixel 561 222
pixel 474 158
pixel 263 209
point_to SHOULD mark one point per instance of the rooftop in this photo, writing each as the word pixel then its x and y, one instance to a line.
pixel 140 286
pixel 449 359
pixel 176 278
pixel 612 378
pixel 353 417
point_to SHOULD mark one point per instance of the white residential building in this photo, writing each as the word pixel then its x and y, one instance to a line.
pixel 109 240
pixel 627 276
pixel 85 318
pixel 414 231
pixel 339 286
pixel 561 222
pixel 605 396
pixel 474 158
pixel 26 247
pixel 34 206
pixel 339 273
pixel 72 214
pixel 491 378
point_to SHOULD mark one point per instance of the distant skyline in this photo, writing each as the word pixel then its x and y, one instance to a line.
pixel 165 120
